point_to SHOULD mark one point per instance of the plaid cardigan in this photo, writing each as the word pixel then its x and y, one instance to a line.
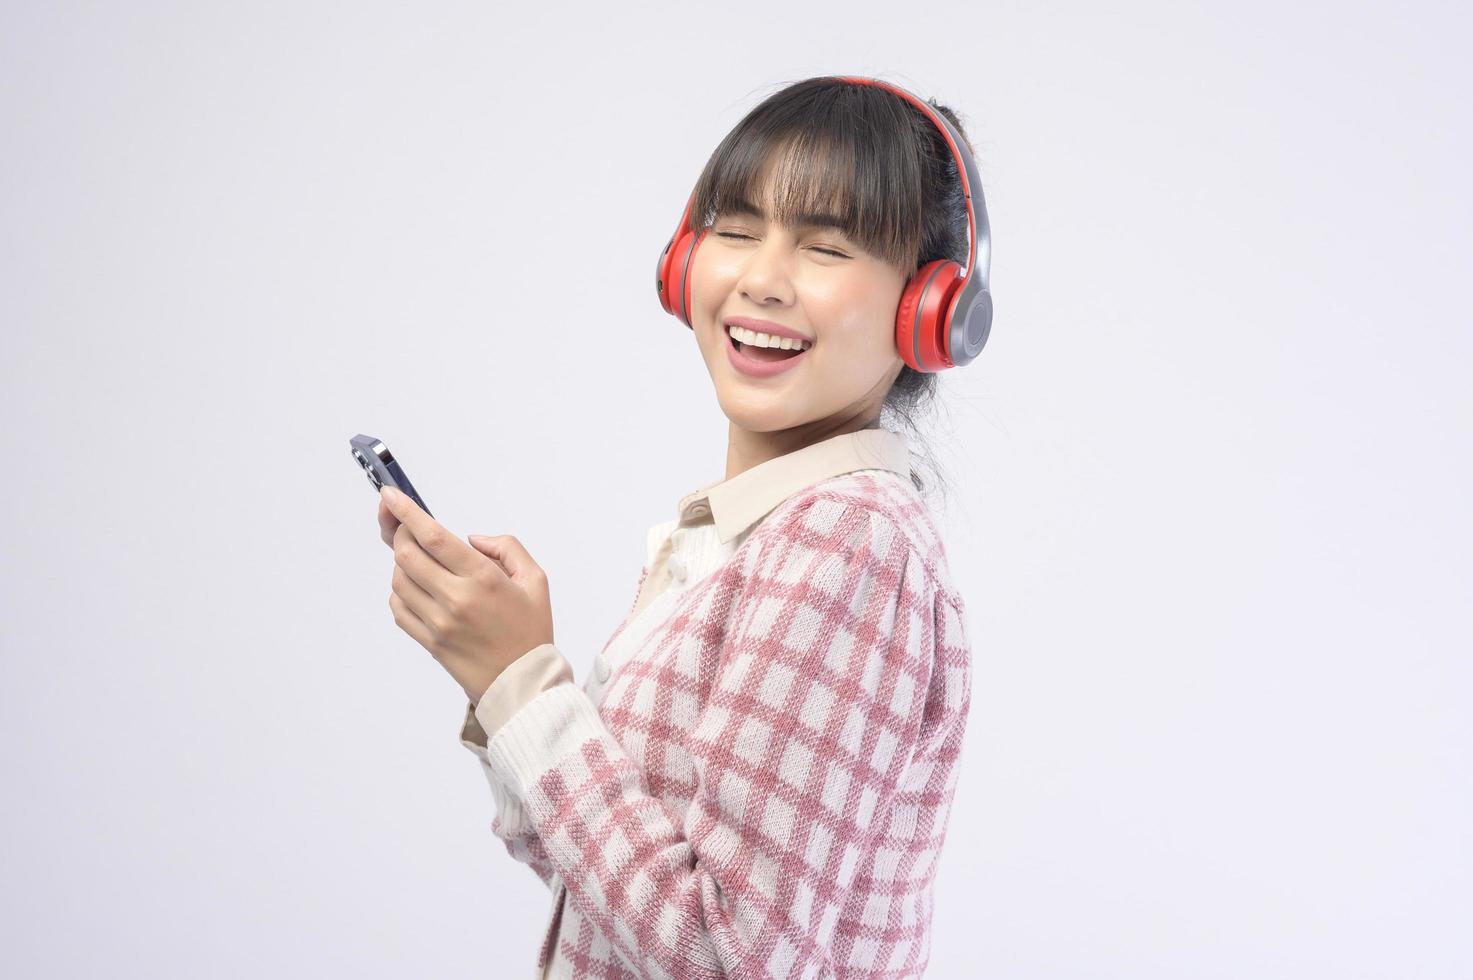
pixel 762 787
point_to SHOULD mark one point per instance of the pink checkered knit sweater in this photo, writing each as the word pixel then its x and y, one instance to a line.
pixel 764 789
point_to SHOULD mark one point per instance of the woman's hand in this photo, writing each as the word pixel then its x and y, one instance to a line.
pixel 476 608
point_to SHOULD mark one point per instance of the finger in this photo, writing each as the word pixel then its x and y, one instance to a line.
pixel 387 523
pixel 494 571
pixel 444 547
pixel 411 558
pixel 509 554
pixel 417 600
pixel 406 620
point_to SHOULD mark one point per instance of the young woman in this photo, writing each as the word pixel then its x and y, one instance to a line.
pixel 756 777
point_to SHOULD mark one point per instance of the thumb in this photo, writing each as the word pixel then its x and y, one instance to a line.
pixel 506 551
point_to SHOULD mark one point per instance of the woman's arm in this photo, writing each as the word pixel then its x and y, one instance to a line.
pixel 807 730
pixel 540 669
pixel 510 823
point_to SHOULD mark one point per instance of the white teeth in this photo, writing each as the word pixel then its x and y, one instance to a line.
pixel 767 340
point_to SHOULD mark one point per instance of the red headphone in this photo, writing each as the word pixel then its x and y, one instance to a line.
pixel 945 311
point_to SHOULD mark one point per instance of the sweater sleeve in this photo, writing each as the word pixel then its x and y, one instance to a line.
pixel 810 721
pixel 543 668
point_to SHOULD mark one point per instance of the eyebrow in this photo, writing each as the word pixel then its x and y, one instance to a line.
pixel 806 220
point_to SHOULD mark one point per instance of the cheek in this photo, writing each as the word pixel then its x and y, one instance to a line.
pixel 712 278
pixel 864 325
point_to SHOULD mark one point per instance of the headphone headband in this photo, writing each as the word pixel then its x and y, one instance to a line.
pixel 979 237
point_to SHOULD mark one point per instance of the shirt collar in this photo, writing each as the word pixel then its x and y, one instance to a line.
pixel 736 504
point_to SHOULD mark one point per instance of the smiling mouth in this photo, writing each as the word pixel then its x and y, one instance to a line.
pixel 762 353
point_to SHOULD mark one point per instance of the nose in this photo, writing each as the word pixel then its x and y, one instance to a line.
pixel 767 275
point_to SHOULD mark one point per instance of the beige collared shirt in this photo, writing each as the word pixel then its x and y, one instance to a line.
pixel 734 507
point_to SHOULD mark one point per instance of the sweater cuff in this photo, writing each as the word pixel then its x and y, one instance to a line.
pixel 547 729
pixel 539 669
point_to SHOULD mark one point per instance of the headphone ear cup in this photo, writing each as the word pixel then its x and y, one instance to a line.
pixel 672 274
pixel 921 333
pixel 969 334
pixel 905 315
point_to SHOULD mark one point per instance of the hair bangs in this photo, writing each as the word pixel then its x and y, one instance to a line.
pixel 844 152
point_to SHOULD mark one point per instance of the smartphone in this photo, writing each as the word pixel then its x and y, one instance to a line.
pixel 381 468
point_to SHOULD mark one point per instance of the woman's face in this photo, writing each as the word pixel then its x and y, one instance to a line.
pixel 820 284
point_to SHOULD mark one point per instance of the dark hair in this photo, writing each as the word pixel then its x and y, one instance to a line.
pixel 867 156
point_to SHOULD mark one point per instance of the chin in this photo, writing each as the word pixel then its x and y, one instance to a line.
pixel 757 413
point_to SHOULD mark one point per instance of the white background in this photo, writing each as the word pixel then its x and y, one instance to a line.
pixel 1211 474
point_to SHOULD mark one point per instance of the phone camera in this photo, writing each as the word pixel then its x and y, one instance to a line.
pixel 368 470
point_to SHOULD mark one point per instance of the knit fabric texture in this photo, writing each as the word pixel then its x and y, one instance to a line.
pixel 764 788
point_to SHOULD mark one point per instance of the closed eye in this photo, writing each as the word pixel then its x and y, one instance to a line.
pixel 826 251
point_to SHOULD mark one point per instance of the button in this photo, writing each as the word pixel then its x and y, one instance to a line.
pixel 677 568
pixel 602 668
